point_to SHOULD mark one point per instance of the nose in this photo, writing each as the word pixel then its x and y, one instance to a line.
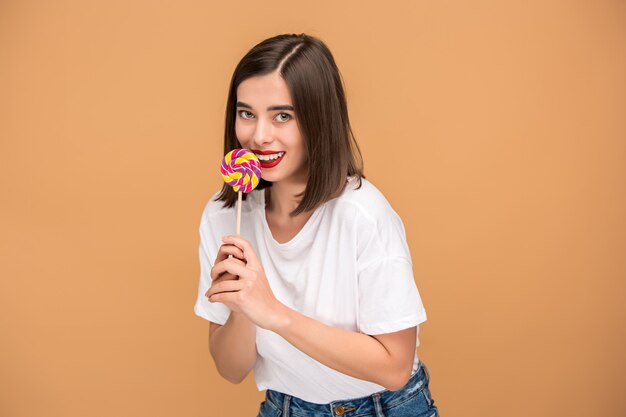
pixel 262 133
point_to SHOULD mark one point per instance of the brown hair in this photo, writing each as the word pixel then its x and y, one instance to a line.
pixel 314 81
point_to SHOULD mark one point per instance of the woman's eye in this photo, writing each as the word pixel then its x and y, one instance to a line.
pixel 288 116
pixel 241 113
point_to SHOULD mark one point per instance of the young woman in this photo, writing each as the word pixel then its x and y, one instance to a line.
pixel 317 296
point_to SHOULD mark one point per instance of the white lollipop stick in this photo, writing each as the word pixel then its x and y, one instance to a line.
pixel 239 213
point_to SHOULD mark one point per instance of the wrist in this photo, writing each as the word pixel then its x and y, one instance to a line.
pixel 240 317
pixel 283 317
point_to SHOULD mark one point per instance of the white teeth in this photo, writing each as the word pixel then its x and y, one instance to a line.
pixel 270 157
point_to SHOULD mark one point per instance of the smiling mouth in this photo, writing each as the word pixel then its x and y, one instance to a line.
pixel 269 160
pixel 269 157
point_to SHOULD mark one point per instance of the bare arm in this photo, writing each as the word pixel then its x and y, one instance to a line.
pixel 384 359
pixel 233 347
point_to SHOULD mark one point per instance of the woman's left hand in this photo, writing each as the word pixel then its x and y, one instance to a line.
pixel 251 293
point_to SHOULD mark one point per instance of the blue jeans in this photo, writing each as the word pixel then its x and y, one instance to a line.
pixel 412 400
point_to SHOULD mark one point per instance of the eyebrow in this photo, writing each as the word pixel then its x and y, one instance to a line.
pixel 283 107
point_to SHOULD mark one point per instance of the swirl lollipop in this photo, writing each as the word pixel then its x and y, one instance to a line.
pixel 241 170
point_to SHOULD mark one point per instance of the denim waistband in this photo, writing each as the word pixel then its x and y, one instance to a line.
pixel 372 404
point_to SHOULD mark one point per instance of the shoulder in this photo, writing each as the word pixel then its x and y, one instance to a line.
pixel 379 229
pixel 367 201
pixel 215 208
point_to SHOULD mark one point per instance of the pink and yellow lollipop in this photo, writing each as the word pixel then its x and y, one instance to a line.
pixel 241 170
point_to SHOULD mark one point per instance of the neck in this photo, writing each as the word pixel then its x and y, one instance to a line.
pixel 281 198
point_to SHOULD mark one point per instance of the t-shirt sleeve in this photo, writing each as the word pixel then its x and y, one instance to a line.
pixel 389 300
pixel 216 312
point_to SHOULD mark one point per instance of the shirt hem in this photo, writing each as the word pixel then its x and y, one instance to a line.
pixel 214 319
pixel 394 326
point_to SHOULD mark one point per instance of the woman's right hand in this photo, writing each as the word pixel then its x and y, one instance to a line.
pixel 226 251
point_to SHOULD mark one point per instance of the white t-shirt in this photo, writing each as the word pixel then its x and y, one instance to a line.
pixel 349 267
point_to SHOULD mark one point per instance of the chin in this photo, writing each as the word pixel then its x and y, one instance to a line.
pixel 272 174
pixel 269 177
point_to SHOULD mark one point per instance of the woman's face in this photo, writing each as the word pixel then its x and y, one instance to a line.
pixel 265 123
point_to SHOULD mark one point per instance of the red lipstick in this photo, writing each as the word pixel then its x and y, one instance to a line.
pixel 273 162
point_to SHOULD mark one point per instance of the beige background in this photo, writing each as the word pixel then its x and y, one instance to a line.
pixel 496 130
